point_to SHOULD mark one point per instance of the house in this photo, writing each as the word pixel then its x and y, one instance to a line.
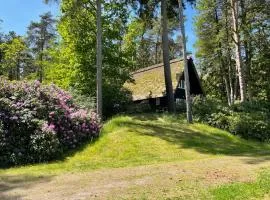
pixel 148 85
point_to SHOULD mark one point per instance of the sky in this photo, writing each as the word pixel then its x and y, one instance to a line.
pixel 17 15
pixel 190 13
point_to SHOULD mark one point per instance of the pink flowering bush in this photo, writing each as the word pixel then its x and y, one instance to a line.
pixel 37 123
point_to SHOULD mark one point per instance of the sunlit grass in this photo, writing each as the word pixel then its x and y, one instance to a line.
pixel 147 139
pixel 250 190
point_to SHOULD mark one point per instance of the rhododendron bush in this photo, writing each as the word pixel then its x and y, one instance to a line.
pixel 37 123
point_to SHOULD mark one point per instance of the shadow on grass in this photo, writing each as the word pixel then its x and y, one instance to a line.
pixel 60 158
pixel 207 143
pixel 9 183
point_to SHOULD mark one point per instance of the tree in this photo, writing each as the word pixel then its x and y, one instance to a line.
pixel 217 47
pixel 237 42
pixel 214 49
pixel 98 54
pixel 186 74
pixel 14 52
pixel 1 52
pixel 144 42
pixel 146 11
pixel 166 59
pixel 99 59
pixel 78 29
pixel 39 36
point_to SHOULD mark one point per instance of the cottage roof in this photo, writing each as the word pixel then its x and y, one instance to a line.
pixel 149 82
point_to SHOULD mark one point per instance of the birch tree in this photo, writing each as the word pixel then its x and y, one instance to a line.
pixel 238 59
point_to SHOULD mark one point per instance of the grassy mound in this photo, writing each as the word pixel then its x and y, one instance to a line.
pixel 148 139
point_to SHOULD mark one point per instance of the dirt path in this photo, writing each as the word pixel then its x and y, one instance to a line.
pixel 164 181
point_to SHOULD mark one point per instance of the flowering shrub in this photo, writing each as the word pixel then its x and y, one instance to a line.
pixel 44 143
pixel 37 122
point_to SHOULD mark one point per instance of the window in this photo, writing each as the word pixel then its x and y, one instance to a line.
pixel 180 101
pixel 157 101
pixel 182 84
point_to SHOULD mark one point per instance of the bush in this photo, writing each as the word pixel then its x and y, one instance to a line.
pixel 115 100
pixel 38 123
pixel 83 101
pixel 250 126
pixel 44 143
pixel 250 120
pixel 206 109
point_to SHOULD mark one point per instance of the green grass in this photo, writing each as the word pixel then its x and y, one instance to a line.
pixel 251 190
pixel 147 139
pixel 141 140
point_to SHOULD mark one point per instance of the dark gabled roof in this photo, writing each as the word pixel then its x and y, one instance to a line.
pixel 149 82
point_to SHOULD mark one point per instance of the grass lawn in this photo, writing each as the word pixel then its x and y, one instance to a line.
pixel 149 157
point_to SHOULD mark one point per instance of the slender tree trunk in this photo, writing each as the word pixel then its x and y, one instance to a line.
pixel 229 57
pixel 99 60
pixel 166 59
pixel 236 87
pixel 247 46
pixel 227 87
pixel 223 71
pixel 186 74
pixel 238 60
pixel 231 81
pixel 18 71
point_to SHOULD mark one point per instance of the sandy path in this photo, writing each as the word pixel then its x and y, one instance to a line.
pixel 169 180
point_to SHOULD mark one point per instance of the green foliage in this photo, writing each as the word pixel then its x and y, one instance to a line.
pixel 59 69
pixel 39 36
pixel 250 120
pixel 216 47
pixel 116 100
pixel 250 125
pixel 14 53
pixel 73 61
pixel 82 100
pixel 203 108
pixel 143 41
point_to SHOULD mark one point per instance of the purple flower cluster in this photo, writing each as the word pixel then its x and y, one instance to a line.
pixel 48 128
pixel 31 113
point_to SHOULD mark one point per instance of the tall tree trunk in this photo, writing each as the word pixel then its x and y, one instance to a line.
pixel 247 47
pixel 99 60
pixel 223 73
pixel 230 79
pixel 166 59
pixel 228 91
pixel 238 60
pixel 187 83
pixel 229 57
pixel 236 87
